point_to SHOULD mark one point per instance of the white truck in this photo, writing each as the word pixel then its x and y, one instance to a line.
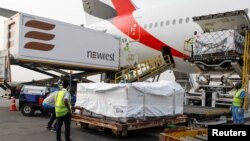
pixel 32 39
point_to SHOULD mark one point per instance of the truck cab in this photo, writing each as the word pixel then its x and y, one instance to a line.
pixel 31 98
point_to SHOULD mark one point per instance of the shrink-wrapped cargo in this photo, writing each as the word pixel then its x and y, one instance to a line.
pixel 218 42
pixel 131 100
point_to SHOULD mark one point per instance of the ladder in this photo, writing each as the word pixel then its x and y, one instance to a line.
pixel 144 70
pixel 246 63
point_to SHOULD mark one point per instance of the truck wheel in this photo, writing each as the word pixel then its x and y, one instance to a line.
pixel 27 110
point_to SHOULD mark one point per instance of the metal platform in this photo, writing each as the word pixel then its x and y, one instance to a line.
pixel 151 68
pixel 217 62
pixel 199 112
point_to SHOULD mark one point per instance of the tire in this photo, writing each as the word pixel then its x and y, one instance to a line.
pixel 27 110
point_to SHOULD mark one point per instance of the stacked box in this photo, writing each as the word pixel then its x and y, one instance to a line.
pixel 218 42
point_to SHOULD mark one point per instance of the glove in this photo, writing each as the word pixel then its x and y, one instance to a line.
pixel 240 110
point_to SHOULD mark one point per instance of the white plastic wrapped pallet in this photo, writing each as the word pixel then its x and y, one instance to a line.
pixel 218 42
pixel 131 100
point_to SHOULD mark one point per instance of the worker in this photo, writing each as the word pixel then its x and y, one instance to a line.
pixel 63 111
pixel 59 82
pixel 192 41
pixel 126 48
pixel 237 105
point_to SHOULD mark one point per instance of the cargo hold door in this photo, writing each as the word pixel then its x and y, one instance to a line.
pixel 237 20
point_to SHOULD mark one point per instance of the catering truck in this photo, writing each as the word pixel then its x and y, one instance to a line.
pixel 31 38
pixel 43 44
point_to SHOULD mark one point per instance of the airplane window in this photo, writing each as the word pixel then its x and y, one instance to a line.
pixel 156 24
pixel 150 25
pixel 173 22
pixel 167 22
pixel 162 22
pixel 180 21
pixel 145 26
pixel 187 19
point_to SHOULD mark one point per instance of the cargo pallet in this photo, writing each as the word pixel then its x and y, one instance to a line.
pixel 200 112
pixel 223 61
pixel 120 128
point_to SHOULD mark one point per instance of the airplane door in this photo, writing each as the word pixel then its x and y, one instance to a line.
pixel 134 30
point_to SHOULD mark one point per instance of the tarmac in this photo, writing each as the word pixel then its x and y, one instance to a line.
pixel 16 127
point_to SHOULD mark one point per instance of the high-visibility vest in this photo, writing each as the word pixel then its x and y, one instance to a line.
pixel 237 101
pixel 126 48
pixel 60 107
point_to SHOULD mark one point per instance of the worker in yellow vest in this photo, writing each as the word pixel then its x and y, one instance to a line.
pixel 237 105
pixel 126 48
pixel 192 41
pixel 63 111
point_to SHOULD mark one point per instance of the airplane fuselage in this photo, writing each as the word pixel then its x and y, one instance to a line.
pixel 148 30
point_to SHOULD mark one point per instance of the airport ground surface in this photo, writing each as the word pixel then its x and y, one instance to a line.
pixel 16 127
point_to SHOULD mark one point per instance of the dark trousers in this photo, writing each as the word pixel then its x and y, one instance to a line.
pixel 192 50
pixel 52 118
pixel 67 120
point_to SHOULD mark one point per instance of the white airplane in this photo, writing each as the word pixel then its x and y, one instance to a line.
pixel 159 26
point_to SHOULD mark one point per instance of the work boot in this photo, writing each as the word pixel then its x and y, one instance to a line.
pixel 53 130
pixel 48 128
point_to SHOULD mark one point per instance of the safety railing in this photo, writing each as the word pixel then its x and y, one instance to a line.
pixel 187 48
pixel 145 68
pixel 246 64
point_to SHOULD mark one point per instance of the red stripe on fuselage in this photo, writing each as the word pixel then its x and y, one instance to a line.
pixel 123 22
pixel 123 6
